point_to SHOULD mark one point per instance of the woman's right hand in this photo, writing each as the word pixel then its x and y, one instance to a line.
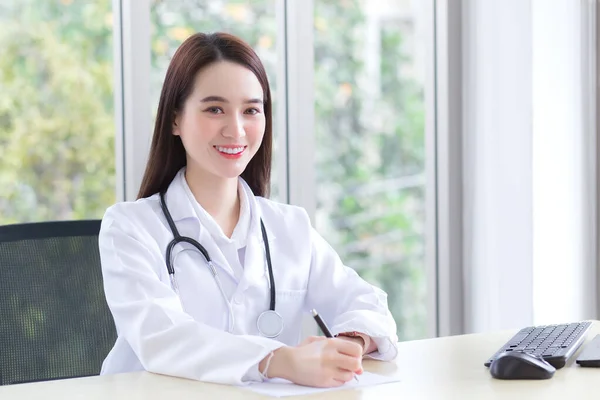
pixel 318 362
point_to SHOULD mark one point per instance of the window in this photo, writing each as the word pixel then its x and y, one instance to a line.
pixel 57 156
pixel 370 146
pixel 173 21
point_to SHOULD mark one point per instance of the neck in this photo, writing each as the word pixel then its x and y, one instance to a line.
pixel 218 196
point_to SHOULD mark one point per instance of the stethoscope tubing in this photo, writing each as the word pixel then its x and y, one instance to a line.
pixel 177 238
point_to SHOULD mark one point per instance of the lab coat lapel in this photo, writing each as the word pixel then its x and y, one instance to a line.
pixel 188 224
pixel 255 264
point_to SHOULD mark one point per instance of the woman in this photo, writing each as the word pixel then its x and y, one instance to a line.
pixel 237 318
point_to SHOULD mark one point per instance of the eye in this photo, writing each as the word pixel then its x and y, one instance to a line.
pixel 253 111
pixel 214 110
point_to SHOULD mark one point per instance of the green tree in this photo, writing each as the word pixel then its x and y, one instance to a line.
pixel 370 162
pixel 56 110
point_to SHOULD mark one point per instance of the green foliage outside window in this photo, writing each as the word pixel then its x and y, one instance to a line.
pixel 57 157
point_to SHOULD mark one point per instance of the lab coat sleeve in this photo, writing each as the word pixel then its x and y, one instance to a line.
pixel 347 302
pixel 148 313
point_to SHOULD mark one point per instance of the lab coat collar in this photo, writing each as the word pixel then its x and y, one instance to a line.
pixel 188 223
pixel 256 214
pixel 255 261
pixel 177 200
pixel 181 208
pixel 241 230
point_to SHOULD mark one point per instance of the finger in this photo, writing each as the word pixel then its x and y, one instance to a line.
pixel 347 363
pixel 305 342
pixel 336 383
pixel 312 339
pixel 343 375
pixel 331 378
pixel 347 347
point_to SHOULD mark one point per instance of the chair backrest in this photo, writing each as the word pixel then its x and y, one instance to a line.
pixel 54 320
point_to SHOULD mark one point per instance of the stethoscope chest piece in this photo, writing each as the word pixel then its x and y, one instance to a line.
pixel 270 324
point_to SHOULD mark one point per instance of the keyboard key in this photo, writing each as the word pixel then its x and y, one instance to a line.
pixel 517 339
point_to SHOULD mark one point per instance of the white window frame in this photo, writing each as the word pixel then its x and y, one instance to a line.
pixel 445 170
pixel 299 119
pixel 594 125
pixel 133 114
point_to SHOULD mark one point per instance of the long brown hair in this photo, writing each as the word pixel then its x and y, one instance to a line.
pixel 167 154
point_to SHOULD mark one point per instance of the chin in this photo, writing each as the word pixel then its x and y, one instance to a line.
pixel 230 173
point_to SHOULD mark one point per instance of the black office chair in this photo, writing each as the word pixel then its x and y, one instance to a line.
pixel 54 320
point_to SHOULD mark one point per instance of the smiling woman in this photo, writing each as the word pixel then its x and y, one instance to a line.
pixel 225 112
pixel 204 186
pixel 228 103
pixel 254 22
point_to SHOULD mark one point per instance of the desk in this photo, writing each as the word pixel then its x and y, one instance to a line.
pixel 442 368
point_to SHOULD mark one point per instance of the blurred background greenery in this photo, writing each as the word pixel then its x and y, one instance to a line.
pixel 57 127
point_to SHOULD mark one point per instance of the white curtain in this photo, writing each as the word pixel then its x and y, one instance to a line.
pixel 563 162
pixel 497 168
pixel 528 164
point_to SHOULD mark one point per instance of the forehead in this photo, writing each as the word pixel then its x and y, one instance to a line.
pixel 229 80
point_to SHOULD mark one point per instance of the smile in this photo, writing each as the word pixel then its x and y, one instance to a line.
pixel 231 150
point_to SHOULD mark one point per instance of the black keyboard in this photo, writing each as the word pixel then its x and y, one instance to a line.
pixel 554 343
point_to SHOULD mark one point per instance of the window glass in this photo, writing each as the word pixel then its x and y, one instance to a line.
pixel 57 129
pixel 370 146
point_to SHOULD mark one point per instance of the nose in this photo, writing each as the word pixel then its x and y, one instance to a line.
pixel 235 128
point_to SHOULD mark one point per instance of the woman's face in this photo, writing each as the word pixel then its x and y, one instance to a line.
pixel 222 123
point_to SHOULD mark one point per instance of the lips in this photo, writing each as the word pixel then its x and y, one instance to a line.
pixel 231 150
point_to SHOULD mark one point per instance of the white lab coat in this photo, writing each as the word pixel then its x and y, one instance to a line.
pixel 187 336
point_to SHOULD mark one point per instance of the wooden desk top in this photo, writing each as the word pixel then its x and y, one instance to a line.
pixel 442 368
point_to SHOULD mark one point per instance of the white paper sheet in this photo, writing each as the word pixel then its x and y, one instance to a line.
pixel 283 388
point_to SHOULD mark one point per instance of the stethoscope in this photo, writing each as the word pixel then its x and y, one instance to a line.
pixel 269 322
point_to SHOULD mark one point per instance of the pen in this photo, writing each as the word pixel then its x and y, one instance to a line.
pixel 324 328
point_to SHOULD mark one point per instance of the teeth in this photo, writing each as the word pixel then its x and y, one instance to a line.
pixel 228 150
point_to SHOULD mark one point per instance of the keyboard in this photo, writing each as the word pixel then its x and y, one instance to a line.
pixel 554 343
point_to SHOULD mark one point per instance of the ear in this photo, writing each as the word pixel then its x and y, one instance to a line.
pixel 176 123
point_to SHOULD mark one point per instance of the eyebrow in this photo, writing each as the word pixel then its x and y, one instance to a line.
pixel 220 99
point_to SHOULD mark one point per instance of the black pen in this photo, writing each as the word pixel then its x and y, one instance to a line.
pixel 324 328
